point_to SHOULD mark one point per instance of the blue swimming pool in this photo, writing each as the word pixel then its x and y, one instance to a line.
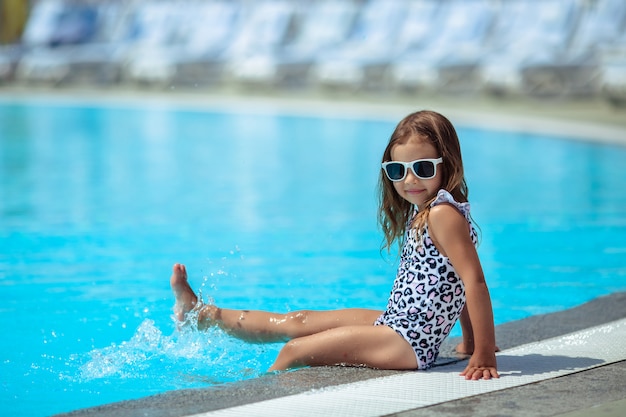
pixel 268 211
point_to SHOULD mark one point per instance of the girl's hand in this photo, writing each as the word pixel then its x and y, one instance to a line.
pixel 481 367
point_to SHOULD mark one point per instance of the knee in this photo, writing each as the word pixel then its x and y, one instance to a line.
pixel 298 318
pixel 295 322
pixel 289 356
pixel 290 349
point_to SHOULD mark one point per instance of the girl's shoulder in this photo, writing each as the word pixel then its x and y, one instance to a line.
pixel 444 197
pixel 449 218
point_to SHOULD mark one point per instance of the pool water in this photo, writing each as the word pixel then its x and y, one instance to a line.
pixel 268 211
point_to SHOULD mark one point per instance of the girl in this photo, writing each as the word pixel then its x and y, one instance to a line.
pixel 423 206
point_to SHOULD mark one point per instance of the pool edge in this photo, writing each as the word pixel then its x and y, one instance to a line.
pixel 569 390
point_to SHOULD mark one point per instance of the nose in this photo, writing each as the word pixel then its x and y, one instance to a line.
pixel 410 177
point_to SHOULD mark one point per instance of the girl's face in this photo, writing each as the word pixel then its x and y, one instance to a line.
pixel 413 189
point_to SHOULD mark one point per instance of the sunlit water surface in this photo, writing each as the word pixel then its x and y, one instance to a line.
pixel 268 211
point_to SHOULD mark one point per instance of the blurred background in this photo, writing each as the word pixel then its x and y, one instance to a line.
pixel 567 49
pixel 97 202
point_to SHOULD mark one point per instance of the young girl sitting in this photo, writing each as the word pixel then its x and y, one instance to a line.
pixel 423 207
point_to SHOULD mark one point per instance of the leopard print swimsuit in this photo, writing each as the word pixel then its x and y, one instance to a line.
pixel 427 295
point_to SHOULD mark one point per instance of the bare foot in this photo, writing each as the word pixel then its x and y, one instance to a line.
pixel 186 299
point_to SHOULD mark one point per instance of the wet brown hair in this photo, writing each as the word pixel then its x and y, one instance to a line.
pixel 394 212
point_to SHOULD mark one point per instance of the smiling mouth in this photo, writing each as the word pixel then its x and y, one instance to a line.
pixel 414 191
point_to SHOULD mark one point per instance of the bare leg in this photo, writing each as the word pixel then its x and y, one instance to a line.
pixel 373 346
pixel 262 326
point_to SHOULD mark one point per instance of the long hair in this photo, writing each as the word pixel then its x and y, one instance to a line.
pixel 394 212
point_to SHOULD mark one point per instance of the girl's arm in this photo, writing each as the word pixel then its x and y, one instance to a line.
pixel 450 233
pixel 467 345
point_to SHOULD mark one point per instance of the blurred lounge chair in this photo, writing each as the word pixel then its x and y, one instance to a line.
pixel 577 70
pixel 152 28
pixel 527 32
pixel 250 57
pixel 54 36
pixel 9 57
pixel 447 55
pixel 419 28
pixel 38 33
pixel 200 32
pixel 613 71
pixel 318 26
pixel 90 57
pixel 361 61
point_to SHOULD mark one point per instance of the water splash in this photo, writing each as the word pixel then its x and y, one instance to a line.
pixel 188 358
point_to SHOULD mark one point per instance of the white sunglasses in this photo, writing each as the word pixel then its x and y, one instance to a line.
pixel 423 169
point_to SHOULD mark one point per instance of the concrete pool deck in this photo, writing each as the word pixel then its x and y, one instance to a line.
pixel 600 390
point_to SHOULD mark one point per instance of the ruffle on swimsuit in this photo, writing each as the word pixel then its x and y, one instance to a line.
pixel 444 196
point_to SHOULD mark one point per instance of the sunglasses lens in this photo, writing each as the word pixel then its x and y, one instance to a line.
pixel 424 169
pixel 395 172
